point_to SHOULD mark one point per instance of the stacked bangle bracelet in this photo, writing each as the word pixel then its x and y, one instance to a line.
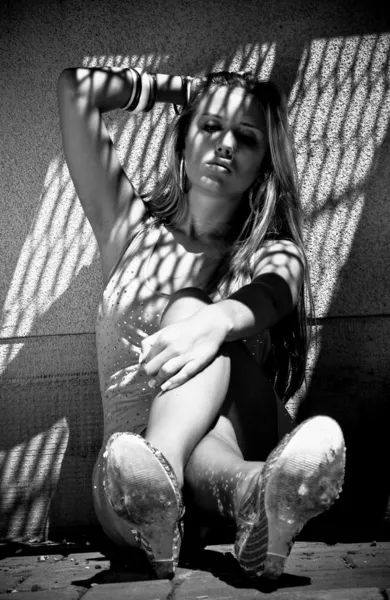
pixel 143 94
pixel 152 93
pixel 134 80
pixel 144 90
pixel 185 82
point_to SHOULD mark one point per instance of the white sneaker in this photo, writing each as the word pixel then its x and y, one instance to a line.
pixel 301 478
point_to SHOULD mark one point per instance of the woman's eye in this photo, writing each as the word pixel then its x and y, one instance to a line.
pixel 210 127
pixel 248 139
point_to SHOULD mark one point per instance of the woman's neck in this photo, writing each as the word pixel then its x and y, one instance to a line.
pixel 209 217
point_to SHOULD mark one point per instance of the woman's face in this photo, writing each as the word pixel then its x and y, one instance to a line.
pixel 226 142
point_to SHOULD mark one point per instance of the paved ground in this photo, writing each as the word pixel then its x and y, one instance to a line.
pixel 314 571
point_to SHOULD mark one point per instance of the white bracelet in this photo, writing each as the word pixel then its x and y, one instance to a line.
pixel 188 89
pixel 145 93
pixel 133 89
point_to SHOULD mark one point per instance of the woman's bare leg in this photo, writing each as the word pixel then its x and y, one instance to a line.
pixel 180 418
pixel 219 424
pixel 217 429
pixel 217 475
pixel 252 422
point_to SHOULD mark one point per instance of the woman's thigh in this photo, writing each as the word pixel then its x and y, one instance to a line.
pixel 258 417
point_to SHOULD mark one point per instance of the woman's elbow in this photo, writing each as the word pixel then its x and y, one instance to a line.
pixel 74 83
pixel 67 84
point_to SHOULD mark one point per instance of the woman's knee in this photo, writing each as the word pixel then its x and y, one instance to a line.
pixel 184 303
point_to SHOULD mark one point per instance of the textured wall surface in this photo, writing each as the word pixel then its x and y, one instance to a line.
pixel 333 60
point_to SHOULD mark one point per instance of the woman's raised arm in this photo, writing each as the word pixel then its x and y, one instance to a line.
pixel 109 200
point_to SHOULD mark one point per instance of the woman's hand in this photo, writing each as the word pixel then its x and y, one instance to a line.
pixel 179 351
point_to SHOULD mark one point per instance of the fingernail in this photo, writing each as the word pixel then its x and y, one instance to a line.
pixel 166 386
pixel 152 383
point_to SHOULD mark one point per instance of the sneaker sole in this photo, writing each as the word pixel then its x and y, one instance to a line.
pixel 302 478
pixel 142 488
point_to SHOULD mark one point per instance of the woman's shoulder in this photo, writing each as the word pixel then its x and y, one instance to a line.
pixel 283 256
pixel 132 242
pixel 274 246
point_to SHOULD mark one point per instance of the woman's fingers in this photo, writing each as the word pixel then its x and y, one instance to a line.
pixel 156 350
pixel 174 372
pixel 189 370
pixel 149 348
pixel 152 366
pixel 167 370
pixel 169 357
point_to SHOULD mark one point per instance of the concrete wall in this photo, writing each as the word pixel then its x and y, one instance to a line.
pixel 333 60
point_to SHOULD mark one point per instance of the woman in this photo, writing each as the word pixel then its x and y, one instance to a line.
pixel 202 319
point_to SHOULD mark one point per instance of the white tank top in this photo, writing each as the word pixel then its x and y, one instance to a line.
pixel 130 310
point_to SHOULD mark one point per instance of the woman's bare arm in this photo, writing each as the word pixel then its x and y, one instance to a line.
pixel 177 352
pixel 272 294
pixel 109 200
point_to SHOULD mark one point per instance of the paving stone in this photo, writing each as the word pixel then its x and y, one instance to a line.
pixel 70 593
pixel 314 571
pixel 56 572
pixel 136 590
pixel 15 571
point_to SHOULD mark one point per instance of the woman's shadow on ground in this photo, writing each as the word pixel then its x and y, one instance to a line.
pixel 209 563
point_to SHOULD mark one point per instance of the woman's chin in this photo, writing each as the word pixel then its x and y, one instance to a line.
pixel 214 185
pixel 212 182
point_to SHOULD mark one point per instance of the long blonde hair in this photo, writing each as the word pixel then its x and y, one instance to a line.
pixel 269 210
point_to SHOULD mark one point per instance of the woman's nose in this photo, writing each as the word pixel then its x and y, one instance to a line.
pixel 226 145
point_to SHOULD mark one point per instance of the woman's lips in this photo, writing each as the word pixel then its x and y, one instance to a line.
pixel 218 167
